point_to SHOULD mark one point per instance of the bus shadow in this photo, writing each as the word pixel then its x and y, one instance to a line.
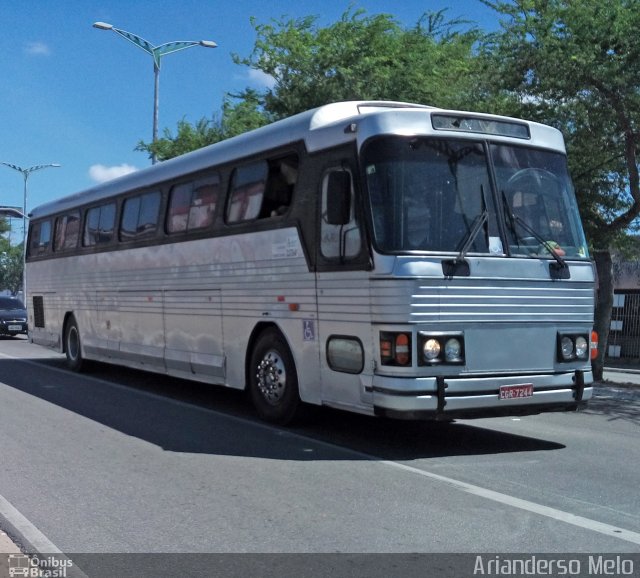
pixel 188 417
pixel 616 404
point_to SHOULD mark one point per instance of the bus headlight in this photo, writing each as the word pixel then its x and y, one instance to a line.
pixel 437 348
pixel 566 348
pixel 453 350
pixel 582 347
pixel 573 347
pixel 431 349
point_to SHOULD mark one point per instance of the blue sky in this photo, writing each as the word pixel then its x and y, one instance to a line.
pixel 83 98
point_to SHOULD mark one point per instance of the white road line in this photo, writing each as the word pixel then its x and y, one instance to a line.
pixel 553 513
pixel 539 509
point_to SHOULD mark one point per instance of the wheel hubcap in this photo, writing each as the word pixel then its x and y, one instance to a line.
pixel 72 343
pixel 272 377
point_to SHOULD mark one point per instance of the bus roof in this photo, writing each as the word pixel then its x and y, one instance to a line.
pixel 318 128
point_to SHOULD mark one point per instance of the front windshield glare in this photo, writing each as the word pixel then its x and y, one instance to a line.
pixel 426 194
pixel 539 203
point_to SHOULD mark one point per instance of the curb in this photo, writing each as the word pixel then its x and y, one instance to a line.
pixel 621 370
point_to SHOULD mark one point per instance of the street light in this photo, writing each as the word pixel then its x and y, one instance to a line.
pixel 157 52
pixel 25 174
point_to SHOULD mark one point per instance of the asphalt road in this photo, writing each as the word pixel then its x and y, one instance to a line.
pixel 128 462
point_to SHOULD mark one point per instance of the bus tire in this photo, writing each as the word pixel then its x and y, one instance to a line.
pixel 273 380
pixel 72 345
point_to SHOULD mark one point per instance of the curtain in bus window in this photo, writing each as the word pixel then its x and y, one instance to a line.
pixel 247 191
pixel 179 204
pixel 204 200
pixel 192 205
pixel 67 231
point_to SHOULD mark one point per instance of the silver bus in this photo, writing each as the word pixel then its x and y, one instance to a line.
pixel 385 258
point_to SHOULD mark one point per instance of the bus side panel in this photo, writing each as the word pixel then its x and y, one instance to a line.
pixel 344 314
pixel 193 333
pixel 268 283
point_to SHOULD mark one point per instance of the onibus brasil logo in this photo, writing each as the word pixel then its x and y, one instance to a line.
pixel 38 567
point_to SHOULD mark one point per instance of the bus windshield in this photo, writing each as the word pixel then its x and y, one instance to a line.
pixel 428 194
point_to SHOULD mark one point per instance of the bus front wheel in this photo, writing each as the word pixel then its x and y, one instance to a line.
pixel 273 381
pixel 72 346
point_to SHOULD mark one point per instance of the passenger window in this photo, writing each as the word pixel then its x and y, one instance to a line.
pixel 99 225
pixel 140 217
pixel 40 238
pixel 247 191
pixel 192 205
pixel 339 240
pixel 67 232
pixel 283 174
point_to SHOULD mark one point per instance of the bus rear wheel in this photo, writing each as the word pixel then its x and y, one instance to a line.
pixel 72 346
pixel 273 380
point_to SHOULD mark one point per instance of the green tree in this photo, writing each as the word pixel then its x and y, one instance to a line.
pixel 576 65
pixel 359 57
pixel 4 226
pixel 239 114
pixel 363 57
pixel 11 266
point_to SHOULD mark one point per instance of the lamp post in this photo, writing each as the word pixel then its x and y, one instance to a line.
pixel 156 52
pixel 25 174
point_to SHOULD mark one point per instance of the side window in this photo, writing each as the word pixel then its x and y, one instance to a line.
pixel 140 217
pixel 192 206
pixel 247 189
pixel 344 239
pixel 99 225
pixel 283 174
pixel 67 232
pixel 40 239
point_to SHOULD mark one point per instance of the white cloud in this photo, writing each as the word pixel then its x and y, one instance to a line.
pixel 102 173
pixel 37 49
pixel 261 78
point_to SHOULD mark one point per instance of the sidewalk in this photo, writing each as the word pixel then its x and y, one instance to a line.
pixel 7 547
pixel 622 376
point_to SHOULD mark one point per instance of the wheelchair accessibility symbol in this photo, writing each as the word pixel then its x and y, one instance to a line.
pixel 308 330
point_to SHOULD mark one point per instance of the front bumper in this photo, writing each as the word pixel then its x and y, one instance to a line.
pixel 13 327
pixel 444 398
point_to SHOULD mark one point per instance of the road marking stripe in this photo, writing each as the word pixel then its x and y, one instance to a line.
pixel 546 511
pixel 553 513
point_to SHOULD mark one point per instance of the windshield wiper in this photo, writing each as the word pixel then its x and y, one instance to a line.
pixel 510 216
pixel 559 269
pixel 459 265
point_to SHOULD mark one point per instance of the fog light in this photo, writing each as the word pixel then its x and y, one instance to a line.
pixel 431 349
pixel 566 348
pixel 453 350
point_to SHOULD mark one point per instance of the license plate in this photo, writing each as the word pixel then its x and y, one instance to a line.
pixel 15 327
pixel 516 391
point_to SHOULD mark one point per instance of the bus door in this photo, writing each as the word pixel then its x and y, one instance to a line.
pixel 344 319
